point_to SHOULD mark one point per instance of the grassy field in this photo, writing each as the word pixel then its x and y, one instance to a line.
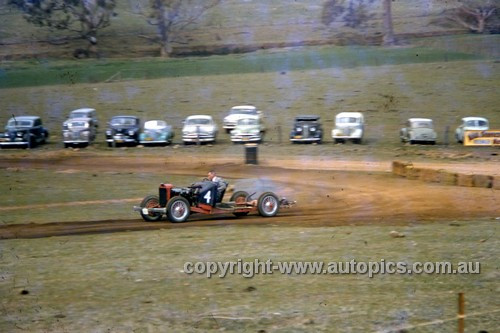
pixel 88 283
pixel 388 85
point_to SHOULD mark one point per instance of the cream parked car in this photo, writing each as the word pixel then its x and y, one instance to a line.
pixel 199 129
pixel 471 124
pixel 238 112
pixel 418 130
pixel 349 126
pixel 248 129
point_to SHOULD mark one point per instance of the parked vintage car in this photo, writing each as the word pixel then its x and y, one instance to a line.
pixel 123 130
pixel 24 131
pixel 82 113
pixel 471 124
pixel 418 130
pixel 349 126
pixel 78 131
pixel 306 129
pixel 156 132
pixel 248 129
pixel 199 129
pixel 238 112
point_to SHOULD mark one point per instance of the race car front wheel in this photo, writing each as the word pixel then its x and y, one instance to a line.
pixel 268 204
pixel 178 209
pixel 151 201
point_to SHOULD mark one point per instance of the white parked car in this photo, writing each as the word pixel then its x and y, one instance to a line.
pixel 418 130
pixel 78 131
pixel 248 129
pixel 199 128
pixel 471 124
pixel 83 113
pixel 349 126
pixel 238 112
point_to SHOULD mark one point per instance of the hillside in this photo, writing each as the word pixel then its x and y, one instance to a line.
pixel 226 28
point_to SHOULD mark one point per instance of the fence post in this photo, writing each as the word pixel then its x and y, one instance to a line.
pixel 461 313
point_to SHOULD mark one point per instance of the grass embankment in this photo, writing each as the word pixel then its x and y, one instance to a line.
pixel 34 73
pixel 87 283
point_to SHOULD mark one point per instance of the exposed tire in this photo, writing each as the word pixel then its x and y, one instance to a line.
pixel 151 201
pixel 178 209
pixel 268 204
pixel 239 197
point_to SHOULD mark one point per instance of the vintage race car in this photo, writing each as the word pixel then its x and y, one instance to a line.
pixel 178 203
pixel 156 132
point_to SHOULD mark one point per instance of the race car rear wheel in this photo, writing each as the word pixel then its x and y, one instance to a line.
pixel 239 197
pixel 151 201
pixel 178 209
pixel 268 204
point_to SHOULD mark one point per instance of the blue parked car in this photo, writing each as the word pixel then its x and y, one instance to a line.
pixel 156 132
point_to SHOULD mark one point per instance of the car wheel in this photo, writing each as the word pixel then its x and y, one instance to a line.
pixel 268 204
pixel 239 197
pixel 151 201
pixel 66 145
pixel 178 209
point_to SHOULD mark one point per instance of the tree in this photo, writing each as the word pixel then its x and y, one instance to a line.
pixel 170 17
pixel 388 28
pixel 353 13
pixel 474 14
pixel 356 13
pixel 84 17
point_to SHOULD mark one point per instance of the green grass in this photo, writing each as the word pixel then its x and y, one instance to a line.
pixel 87 283
pixel 91 71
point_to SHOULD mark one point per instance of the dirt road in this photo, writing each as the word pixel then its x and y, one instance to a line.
pixel 329 195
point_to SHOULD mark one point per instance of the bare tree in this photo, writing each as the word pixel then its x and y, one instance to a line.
pixel 84 17
pixel 388 27
pixel 170 17
pixel 473 14
pixel 352 13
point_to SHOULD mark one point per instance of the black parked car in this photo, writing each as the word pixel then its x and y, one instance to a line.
pixel 123 130
pixel 306 129
pixel 25 131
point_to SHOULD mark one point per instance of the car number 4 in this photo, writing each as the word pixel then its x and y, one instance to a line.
pixel 208 196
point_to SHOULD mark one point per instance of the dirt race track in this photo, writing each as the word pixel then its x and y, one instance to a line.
pixel 356 193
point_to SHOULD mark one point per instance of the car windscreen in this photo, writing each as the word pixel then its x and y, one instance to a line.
pixel 20 123
pixel 476 123
pixel 348 120
pixel 123 122
pixel 155 125
pixel 248 121
pixel 243 111
pixel 421 124
pixel 78 115
pixel 198 121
